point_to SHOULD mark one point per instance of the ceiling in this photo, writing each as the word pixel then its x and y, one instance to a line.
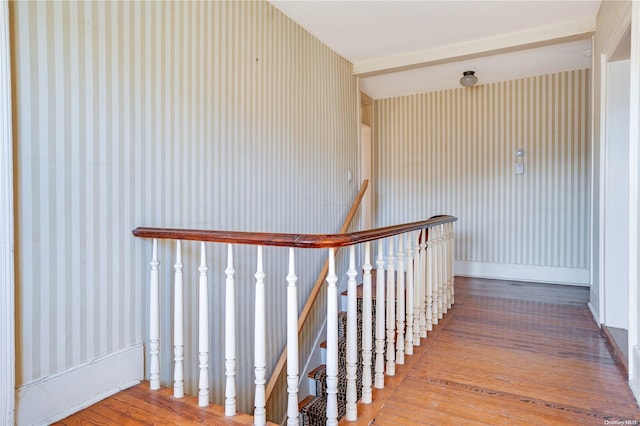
pixel 405 47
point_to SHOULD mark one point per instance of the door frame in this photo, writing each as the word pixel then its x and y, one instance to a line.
pixel 634 188
pixel 7 272
pixel 629 20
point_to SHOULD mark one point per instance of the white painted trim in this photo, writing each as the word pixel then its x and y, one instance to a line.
pixel 634 383
pixel 564 31
pixel 55 397
pixel 7 265
pixel 601 187
pixel 634 187
pixel 594 314
pixel 530 273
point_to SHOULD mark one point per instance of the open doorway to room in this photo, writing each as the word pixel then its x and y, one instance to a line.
pixel 616 198
pixel 366 105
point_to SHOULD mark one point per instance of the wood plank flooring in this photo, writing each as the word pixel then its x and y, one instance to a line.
pixel 140 406
pixel 506 353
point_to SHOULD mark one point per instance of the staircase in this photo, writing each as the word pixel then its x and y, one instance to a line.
pixel 313 409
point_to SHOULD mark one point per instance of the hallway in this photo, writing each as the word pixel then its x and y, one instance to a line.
pixel 509 353
pixel 506 353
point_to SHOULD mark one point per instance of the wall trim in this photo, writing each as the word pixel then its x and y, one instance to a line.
pixel 531 273
pixel 594 313
pixel 42 402
pixel 634 383
pixel 7 263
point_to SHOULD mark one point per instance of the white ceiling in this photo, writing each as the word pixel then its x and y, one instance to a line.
pixel 406 47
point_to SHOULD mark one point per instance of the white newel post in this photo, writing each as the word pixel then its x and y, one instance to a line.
pixel 367 332
pixel 433 274
pixel 445 268
pixel 260 343
pixel 203 330
pixel 442 303
pixel 408 339
pixel 292 342
pixel 352 338
pixel 178 330
pixel 417 290
pixel 391 313
pixel 400 303
pixel 154 320
pixel 230 337
pixel 332 342
pixel 425 297
pixel 380 311
pixel 450 265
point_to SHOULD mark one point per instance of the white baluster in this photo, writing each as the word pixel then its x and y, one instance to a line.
pixel 178 330
pixel 292 342
pixel 450 265
pixel 391 313
pixel 400 304
pixel 230 337
pixel 417 289
pixel 332 342
pixel 380 311
pixel 451 260
pixel 425 297
pixel 442 304
pixel 432 286
pixel 367 332
pixel 445 268
pixel 154 320
pixel 352 338
pixel 437 303
pixel 408 338
pixel 260 350
pixel 203 331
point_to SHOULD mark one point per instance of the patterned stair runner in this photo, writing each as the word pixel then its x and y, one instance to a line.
pixel 314 412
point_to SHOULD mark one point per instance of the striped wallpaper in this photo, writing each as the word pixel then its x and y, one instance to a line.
pixel 453 152
pixel 220 115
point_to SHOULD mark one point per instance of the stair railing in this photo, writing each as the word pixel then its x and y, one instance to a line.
pixel 427 245
pixel 315 291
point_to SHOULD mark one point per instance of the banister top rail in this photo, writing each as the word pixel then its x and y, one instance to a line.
pixel 289 240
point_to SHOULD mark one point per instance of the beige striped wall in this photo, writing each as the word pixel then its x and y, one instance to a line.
pixel 222 115
pixel 453 152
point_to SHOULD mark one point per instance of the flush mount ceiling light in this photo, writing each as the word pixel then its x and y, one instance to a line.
pixel 468 78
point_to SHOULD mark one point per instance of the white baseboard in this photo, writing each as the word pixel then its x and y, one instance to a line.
pixel 532 273
pixel 594 305
pixel 55 397
pixel 594 313
pixel 634 383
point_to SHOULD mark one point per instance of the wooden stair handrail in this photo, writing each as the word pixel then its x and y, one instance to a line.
pixel 271 384
pixel 289 240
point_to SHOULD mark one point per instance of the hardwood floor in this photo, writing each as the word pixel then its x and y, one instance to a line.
pixel 506 353
pixel 140 406
pixel 509 353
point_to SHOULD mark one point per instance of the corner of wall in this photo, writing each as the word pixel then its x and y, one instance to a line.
pixel 634 380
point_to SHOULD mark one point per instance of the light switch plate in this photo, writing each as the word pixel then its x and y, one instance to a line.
pixel 519 168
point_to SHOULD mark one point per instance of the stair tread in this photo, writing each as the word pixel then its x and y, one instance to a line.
pixel 313 372
pixel 305 401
